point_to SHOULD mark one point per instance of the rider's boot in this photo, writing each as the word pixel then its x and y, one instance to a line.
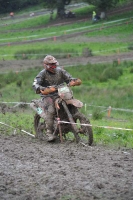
pixel 50 136
pixel 49 126
pixel 49 120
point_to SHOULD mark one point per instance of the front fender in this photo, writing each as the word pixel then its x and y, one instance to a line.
pixel 57 101
pixel 75 102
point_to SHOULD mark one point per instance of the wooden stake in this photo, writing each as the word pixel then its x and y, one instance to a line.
pixel 109 111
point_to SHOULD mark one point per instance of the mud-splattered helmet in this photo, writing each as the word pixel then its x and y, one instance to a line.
pixel 50 60
pixel 50 63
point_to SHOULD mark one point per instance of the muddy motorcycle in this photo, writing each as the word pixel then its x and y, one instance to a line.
pixel 67 120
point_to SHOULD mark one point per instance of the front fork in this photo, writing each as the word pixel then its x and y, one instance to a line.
pixel 74 127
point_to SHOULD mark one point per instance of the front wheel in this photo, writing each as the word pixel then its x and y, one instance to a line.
pixel 40 127
pixel 85 129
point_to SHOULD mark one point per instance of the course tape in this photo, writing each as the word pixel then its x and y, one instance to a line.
pixel 65 122
pixel 120 109
pixel 106 108
pixel 18 129
pixel 17 103
pixel 108 127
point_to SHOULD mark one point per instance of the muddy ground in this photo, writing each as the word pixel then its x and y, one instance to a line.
pixel 35 170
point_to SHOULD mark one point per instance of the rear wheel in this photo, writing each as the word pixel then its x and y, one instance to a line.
pixel 86 129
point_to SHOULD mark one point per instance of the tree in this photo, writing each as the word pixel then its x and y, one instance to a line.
pixel 15 5
pixel 56 4
pixel 103 5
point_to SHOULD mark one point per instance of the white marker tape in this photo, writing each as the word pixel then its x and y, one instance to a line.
pixel 17 128
pixel 108 127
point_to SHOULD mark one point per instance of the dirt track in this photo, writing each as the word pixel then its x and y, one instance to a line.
pixel 20 65
pixel 35 170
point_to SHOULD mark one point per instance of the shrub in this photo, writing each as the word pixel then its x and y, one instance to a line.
pixel 39 53
pixel 111 73
pixel 130 47
pixel 97 114
pixel 87 52
pixel 131 70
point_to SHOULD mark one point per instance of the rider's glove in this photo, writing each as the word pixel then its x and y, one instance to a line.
pixel 47 90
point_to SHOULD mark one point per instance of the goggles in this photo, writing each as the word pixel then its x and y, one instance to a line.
pixel 52 65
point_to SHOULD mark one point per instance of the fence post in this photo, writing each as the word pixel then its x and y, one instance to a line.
pixel 109 111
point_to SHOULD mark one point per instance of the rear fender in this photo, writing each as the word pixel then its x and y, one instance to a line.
pixel 75 102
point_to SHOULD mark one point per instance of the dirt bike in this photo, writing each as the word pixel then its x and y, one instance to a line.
pixel 67 120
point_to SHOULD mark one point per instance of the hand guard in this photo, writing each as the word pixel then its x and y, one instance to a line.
pixel 75 82
pixel 42 88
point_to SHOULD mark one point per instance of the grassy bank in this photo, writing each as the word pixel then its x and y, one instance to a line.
pixel 103 38
pixel 97 95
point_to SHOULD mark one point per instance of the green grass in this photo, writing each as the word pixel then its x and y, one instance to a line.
pixel 20 119
pixel 60 49
pixel 113 44
pixel 84 11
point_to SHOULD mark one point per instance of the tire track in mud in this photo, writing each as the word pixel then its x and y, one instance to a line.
pixel 32 169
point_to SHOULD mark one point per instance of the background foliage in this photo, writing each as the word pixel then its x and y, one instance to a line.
pixel 17 5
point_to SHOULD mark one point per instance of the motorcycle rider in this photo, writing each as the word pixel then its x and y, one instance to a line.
pixel 44 84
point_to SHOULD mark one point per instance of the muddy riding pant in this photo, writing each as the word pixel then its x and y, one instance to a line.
pixel 46 109
pixel 47 104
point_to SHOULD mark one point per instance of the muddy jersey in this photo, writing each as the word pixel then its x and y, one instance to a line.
pixel 46 78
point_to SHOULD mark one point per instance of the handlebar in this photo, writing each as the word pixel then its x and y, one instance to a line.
pixel 73 82
pixel 53 88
